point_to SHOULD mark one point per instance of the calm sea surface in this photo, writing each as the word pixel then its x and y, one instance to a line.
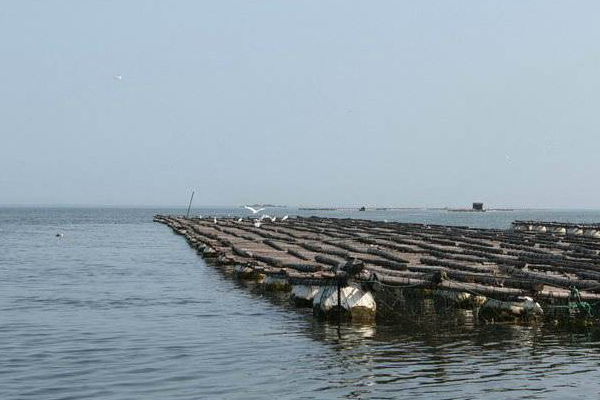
pixel 121 308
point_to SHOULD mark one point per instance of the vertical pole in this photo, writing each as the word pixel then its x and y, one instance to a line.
pixel 339 300
pixel 189 205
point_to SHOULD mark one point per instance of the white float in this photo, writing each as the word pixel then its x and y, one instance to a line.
pixel 359 304
pixel 525 307
pixel 575 231
pixel 303 294
pixel 593 233
pixel 461 298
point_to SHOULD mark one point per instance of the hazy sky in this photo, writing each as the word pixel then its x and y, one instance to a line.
pixel 399 103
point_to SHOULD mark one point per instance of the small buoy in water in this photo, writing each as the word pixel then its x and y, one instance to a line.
pixel 59 235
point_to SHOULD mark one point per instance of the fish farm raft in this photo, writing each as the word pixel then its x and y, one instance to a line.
pixel 363 269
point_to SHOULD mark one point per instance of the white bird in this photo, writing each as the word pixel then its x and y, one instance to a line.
pixel 267 216
pixel 254 211
pixel 215 220
pixel 284 218
pixel 118 77
pixel 257 224
pixel 240 220
pixel 59 235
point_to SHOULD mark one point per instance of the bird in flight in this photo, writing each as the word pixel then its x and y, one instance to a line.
pixel 284 218
pixel 254 211
pixel 118 77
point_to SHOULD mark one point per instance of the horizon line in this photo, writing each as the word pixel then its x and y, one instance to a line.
pixel 315 207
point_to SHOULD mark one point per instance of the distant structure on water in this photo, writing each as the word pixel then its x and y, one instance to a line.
pixel 478 207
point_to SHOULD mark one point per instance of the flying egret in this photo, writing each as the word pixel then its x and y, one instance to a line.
pixel 59 235
pixel 284 218
pixel 254 211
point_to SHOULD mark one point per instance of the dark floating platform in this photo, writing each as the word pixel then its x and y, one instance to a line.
pixel 362 269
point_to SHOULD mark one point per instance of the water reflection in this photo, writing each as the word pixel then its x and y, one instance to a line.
pixel 492 357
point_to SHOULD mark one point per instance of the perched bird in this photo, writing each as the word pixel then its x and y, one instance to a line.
pixel 118 77
pixel 254 211
pixel 239 220
pixel 215 220
pixel 284 218
pixel 257 224
pixel 59 235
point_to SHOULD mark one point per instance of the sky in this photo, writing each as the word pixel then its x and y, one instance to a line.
pixel 387 103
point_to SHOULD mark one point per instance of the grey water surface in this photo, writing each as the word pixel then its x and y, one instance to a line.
pixel 121 308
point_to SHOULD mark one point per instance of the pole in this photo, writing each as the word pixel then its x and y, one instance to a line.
pixel 339 300
pixel 189 205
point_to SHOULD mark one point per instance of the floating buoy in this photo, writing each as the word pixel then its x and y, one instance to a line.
pixel 523 308
pixel 303 295
pixel 355 302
